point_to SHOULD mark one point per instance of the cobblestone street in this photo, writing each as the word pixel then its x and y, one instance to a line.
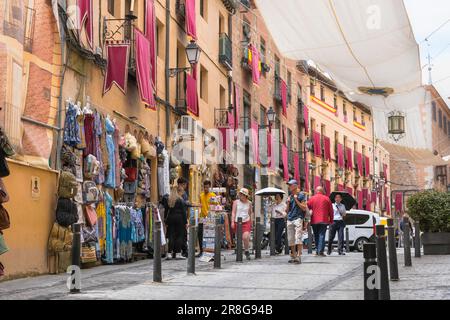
pixel 334 277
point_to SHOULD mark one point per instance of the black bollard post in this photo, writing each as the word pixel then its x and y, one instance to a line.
pixel 393 264
pixel 417 243
pixel 239 257
pixel 76 254
pixel 347 240
pixel 286 239
pixel 217 244
pixel 258 231
pixel 384 292
pixel 407 242
pixel 371 274
pixel 157 273
pixel 310 239
pixel 272 237
pixel 191 248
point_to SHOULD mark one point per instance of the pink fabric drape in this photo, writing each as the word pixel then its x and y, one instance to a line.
pixel 399 202
pixel 367 167
pixel 385 171
pixel 349 158
pixel 360 199
pixel 230 119
pixel 117 67
pixel 297 166
pixel 317 182
pixel 317 144
pixel 340 156
pixel 306 118
pixel 85 20
pixel 366 196
pixel 327 184
pixel 285 156
pixel 143 69
pixel 192 94
pixel 191 20
pixel 359 161
pixel 283 86
pixel 237 106
pixel 327 148
pixel 255 141
pixel 349 190
pixel 150 33
pixel 306 176
pixel 256 74
pixel 270 153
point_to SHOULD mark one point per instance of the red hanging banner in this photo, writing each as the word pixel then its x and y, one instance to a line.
pixel 349 158
pixel 327 148
pixel 327 187
pixel 117 57
pixel 85 20
pixel 283 96
pixel 297 166
pixel 143 69
pixel 191 22
pixel 398 202
pixel 367 166
pixel 341 159
pixel 340 187
pixel 285 156
pixel 317 144
pixel 150 33
pixel 359 161
pixel 360 199
pixel 256 73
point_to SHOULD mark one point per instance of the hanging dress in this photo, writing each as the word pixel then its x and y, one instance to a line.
pixel 71 127
pixel 109 252
pixel 98 132
pixel 89 135
pixel 117 156
pixel 80 120
pixel 101 224
pixel 123 215
pixel 111 174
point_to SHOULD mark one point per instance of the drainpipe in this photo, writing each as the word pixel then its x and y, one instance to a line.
pixel 230 75
pixel 167 86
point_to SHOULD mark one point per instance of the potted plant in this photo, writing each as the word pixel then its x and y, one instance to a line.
pixel 432 210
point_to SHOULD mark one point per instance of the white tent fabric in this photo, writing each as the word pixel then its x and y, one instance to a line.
pixel 359 43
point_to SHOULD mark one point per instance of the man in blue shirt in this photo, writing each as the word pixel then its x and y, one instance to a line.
pixel 296 211
pixel 337 226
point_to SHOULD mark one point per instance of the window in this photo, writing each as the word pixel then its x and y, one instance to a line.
pixel 111 7
pixel 204 84
pixel 223 102
pixel 263 50
pixel 277 66
pixel 246 30
pixel 335 102
pixel 203 9
pixel 440 118
pixel 221 24
pixel 354 114
pixel 322 93
pixel 336 142
pixel 312 86
pixel 433 109
pixel 363 119
pixel 344 109
pixel 356 219
pixel 160 43
pixel 262 115
pixel 445 124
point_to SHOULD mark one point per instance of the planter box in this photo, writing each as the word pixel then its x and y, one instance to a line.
pixel 436 243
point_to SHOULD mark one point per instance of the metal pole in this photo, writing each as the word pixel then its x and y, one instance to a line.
pixel 384 292
pixel 286 239
pixel 239 257
pixel 272 237
pixel 393 264
pixel 347 240
pixel 191 248
pixel 370 264
pixel 406 242
pixel 217 244
pixel 258 231
pixel 310 239
pixel 417 243
pixel 157 272
pixel 76 251
pixel 167 75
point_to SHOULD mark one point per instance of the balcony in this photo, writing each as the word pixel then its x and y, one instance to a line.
pixel 180 7
pixel 221 118
pixel 245 63
pixel 180 102
pixel 13 22
pixel 246 4
pixel 226 51
pixel 277 89
pixel 30 17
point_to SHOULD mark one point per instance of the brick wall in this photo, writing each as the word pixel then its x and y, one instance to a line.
pixel 43 41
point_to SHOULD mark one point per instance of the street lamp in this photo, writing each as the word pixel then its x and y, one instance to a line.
pixel 271 115
pixel 193 52
pixel 340 172
pixel 309 144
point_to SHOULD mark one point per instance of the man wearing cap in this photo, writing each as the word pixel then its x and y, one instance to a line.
pixel 242 208
pixel 296 211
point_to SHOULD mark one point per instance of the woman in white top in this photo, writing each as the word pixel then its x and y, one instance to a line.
pixel 242 208
pixel 279 214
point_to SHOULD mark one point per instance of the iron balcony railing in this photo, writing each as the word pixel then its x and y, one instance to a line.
pixel 226 51
pixel 181 102
pixel 221 118
pixel 30 16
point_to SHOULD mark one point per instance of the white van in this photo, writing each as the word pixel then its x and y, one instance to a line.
pixel 361 228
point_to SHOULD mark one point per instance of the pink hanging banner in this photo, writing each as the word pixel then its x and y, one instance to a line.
pixel 359 161
pixel 191 22
pixel 297 166
pixel 366 196
pixel 230 119
pixel 283 96
pixel 237 106
pixel 306 118
pixel 317 182
pixel 327 187
pixel 341 160
pixel 367 167
pixel 388 205
pixel 360 200
pixel 317 144
pixel 150 33
pixel 385 171
pixel 285 157
pixel 143 69
pixel 255 65
pixel 255 141
pixel 327 148
pixel 349 158
pixel 192 94
pixel 350 191
pixel 117 57
pixel 340 187
pixel 399 202
pixel 85 19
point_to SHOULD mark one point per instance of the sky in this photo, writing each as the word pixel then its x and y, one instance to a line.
pixel 426 16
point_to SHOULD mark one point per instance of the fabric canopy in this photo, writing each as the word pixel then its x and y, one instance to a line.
pixel 418 156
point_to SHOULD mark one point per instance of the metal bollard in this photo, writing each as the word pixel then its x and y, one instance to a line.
pixel 272 237
pixel 217 244
pixel 384 292
pixel 191 248
pixel 76 251
pixel 370 271
pixel 239 257
pixel 310 239
pixel 417 243
pixel 157 273
pixel 407 242
pixel 286 239
pixel 347 240
pixel 393 264
pixel 258 231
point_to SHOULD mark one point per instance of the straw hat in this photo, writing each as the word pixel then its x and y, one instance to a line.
pixel 245 192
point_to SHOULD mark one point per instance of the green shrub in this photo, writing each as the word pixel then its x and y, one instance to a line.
pixel 432 210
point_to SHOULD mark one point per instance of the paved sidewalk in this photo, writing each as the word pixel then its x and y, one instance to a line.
pixel 334 277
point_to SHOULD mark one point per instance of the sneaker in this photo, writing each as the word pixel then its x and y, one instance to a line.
pixel 322 254
pixel 247 255
pixel 329 253
pixel 342 253
pixel 297 260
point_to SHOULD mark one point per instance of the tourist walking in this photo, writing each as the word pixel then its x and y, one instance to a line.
pixel 322 216
pixel 242 208
pixel 296 212
pixel 279 214
pixel 338 225
pixel 205 198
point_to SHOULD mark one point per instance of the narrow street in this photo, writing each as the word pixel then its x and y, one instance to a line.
pixel 272 278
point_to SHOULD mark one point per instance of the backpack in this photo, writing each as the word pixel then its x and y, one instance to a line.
pixel 68 186
pixel 90 192
pixel 66 212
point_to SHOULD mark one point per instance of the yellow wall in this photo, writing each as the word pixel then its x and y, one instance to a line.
pixel 31 220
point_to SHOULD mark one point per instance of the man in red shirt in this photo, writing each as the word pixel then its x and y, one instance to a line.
pixel 322 216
